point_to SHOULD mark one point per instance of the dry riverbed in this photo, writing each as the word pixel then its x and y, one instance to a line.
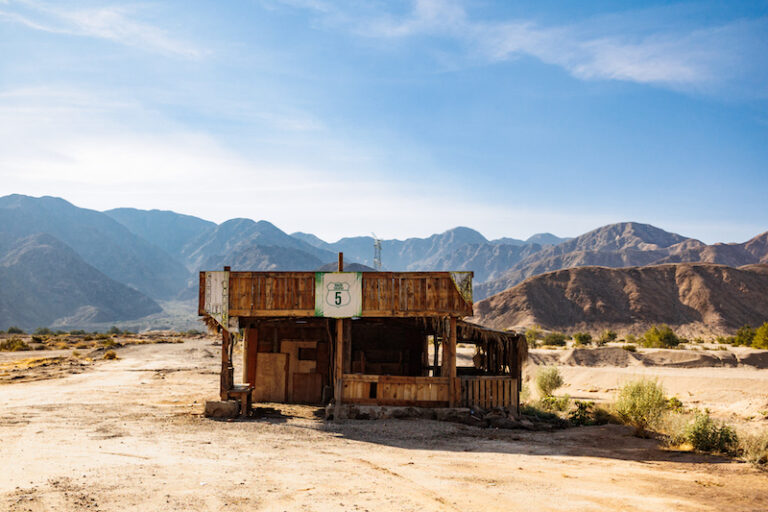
pixel 129 435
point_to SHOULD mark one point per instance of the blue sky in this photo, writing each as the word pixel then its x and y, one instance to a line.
pixel 403 118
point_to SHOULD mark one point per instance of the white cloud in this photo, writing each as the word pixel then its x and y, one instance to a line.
pixel 114 23
pixel 674 57
pixel 97 151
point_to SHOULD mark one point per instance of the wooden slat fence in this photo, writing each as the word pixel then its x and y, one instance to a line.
pixel 488 392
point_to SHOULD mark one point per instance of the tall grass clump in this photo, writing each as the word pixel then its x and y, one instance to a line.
pixel 548 380
pixel 754 447
pixel 641 404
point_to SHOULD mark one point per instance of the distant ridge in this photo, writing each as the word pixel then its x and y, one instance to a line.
pixel 623 245
pixel 695 298
pixel 44 282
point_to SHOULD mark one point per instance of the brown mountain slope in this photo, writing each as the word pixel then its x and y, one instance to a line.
pixel 694 298
pixel 627 244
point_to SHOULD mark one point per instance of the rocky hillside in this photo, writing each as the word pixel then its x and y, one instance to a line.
pixel 695 298
pixel 46 283
pixel 98 239
pixel 624 245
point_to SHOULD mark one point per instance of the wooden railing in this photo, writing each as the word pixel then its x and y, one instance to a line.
pixel 395 390
pixel 488 392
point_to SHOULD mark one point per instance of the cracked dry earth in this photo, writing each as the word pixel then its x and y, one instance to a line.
pixel 128 435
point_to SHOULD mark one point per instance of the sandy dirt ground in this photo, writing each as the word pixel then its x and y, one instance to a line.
pixel 128 435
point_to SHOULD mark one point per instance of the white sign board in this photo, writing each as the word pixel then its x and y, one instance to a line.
pixel 338 294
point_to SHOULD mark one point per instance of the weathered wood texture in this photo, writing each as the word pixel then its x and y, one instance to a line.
pixel 271 377
pixel 385 294
pixel 395 390
pixel 488 392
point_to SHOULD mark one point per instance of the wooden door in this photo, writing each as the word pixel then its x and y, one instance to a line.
pixel 271 377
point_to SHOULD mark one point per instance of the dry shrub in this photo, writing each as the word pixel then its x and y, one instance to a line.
pixel 641 404
pixel 708 435
pixel 110 354
pixel 548 380
pixel 13 344
pixel 754 447
pixel 61 345
pixel 82 344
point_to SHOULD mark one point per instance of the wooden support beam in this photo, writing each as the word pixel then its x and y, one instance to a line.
pixel 338 364
pixel 225 381
pixel 449 358
pixel 250 352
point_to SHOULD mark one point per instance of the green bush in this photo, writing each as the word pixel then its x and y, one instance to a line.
pixel 532 334
pixel 630 338
pixel 554 339
pixel 629 348
pixel 15 330
pixel 607 336
pixel 555 403
pixel 761 337
pixel 660 336
pixel 582 338
pixel 582 414
pixel 13 344
pixel 114 330
pixel 674 404
pixel 707 435
pixel 548 380
pixel 77 333
pixel 43 331
pixel 641 404
pixel 744 336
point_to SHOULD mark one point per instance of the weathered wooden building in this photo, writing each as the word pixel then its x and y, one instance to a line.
pixel 359 338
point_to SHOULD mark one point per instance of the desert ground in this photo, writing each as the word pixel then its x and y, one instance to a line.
pixel 129 434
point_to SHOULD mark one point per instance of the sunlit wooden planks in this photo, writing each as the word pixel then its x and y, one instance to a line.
pixel 412 294
pixel 272 293
pixel 385 294
pixel 396 390
pixel 489 392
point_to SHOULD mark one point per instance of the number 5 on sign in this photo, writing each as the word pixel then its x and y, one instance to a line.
pixel 338 294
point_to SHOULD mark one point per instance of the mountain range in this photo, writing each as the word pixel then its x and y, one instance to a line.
pixel 156 254
pixel 694 298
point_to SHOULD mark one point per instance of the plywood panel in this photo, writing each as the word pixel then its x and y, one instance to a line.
pixel 307 388
pixel 296 365
pixel 271 372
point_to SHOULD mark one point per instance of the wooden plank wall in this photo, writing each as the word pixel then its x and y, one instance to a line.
pixel 488 392
pixel 385 294
pixel 395 390
pixel 278 293
pixel 406 293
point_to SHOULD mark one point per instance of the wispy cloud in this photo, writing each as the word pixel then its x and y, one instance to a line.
pixel 114 23
pixel 683 58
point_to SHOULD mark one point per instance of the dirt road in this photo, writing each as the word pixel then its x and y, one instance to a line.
pixel 128 435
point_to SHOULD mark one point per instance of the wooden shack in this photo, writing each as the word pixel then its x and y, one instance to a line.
pixel 378 338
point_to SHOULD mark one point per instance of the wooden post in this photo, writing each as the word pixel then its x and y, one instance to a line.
pixel 435 359
pixel 338 365
pixel 250 352
pixel 449 358
pixel 225 382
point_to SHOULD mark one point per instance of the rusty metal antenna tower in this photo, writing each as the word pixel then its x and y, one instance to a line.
pixel 376 252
